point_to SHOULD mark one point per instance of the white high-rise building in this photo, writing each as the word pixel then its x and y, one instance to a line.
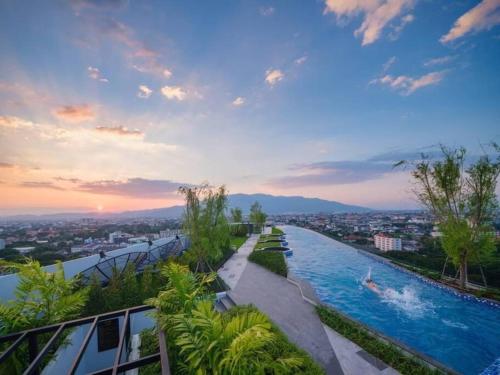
pixel 385 242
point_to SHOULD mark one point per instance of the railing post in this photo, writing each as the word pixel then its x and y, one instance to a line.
pixel 33 350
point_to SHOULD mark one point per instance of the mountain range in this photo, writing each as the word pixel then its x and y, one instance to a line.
pixel 271 204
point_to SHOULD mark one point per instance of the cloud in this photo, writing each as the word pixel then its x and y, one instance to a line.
pixel 396 30
pixel 94 73
pixel 144 92
pixel 332 173
pixel 347 171
pixel 389 63
pixel 266 11
pixel 6 165
pixel 377 14
pixel 133 187
pixel 167 73
pixel 273 76
pixel 483 16
pixel 239 101
pixel 66 179
pixel 141 57
pixel 439 60
pixel 120 130
pixel 408 85
pixel 99 4
pixel 74 113
pixel 301 60
pixel 40 185
pixel 15 123
pixel 174 92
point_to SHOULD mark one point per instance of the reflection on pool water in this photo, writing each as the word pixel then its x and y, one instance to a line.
pixel 462 334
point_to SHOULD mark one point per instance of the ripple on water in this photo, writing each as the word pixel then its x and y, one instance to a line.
pixel 462 334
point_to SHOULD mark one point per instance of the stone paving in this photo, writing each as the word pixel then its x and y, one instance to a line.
pixel 283 301
pixel 232 270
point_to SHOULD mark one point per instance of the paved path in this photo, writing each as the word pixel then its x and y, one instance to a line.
pixel 353 359
pixel 232 270
pixel 282 302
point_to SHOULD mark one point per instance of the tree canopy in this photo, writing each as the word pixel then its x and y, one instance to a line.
pixel 462 198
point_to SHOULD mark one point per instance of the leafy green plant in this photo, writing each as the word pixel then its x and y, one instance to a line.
pixel 214 343
pixel 42 298
pixel 206 224
pixel 463 201
pixel 274 261
pixel 257 216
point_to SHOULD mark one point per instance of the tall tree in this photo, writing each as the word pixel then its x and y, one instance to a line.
pixel 206 224
pixel 257 216
pixel 463 201
pixel 236 215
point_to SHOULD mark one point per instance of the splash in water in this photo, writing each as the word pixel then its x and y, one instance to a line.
pixel 453 324
pixel 407 301
pixel 369 275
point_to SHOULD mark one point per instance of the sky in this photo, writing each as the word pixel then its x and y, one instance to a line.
pixel 111 105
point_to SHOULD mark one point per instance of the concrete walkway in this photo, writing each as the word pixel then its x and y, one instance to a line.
pixel 232 270
pixel 283 303
pixel 290 304
pixel 353 359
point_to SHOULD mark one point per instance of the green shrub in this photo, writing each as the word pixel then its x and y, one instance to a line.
pixel 239 230
pixel 274 261
pixel 281 347
pixel 236 242
pixel 386 352
pixel 277 231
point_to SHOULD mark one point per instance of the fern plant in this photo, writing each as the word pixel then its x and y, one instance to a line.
pixel 42 298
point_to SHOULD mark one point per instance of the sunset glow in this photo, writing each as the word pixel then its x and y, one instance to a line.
pixel 121 102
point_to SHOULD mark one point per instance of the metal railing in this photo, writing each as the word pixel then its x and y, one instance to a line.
pixel 36 356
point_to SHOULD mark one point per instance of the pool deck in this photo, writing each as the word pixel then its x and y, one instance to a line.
pixel 290 304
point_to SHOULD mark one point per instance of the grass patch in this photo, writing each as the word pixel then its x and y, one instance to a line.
pixel 281 347
pixel 386 352
pixel 236 242
pixel 260 246
pixel 274 261
pixel 275 230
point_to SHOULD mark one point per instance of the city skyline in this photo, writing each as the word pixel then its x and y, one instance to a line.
pixel 111 105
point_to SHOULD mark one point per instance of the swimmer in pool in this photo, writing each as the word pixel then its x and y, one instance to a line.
pixel 371 285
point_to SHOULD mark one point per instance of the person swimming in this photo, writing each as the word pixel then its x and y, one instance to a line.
pixel 370 284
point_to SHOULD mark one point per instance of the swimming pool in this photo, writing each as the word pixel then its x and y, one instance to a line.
pixel 462 334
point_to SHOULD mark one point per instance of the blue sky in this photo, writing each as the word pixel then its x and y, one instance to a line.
pixel 113 104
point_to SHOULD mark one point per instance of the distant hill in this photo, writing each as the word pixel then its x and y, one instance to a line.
pixel 271 204
pixel 276 205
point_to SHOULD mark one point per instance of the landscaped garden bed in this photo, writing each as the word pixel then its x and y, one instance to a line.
pixel 386 352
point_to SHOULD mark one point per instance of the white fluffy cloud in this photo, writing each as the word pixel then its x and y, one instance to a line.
pixel 483 16
pixel 273 76
pixel 301 60
pixel 266 11
pixel 439 60
pixel 167 73
pixel 144 92
pixel 408 85
pixel 95 73
pixel 239 101
pixel 174 92
pixel 377 15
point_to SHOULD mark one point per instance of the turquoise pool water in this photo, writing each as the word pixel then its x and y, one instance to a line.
pixel 462 334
